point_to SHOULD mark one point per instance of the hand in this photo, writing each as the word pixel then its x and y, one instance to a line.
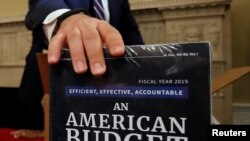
pixel 85 37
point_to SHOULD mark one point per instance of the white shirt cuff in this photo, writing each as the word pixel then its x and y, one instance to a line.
pixel 50 22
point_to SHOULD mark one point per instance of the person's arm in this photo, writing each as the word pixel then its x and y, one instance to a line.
pixel 85 36
pixel 50 22
pixel 40 9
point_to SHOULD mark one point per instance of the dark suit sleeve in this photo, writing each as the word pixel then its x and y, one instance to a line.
pixel 39 9
pixel 128 27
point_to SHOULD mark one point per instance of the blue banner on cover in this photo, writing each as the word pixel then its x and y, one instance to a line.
pixel 129 91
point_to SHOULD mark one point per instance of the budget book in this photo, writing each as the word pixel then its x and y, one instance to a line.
pixel 159 92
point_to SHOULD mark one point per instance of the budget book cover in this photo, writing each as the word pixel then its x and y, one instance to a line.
pixel 158 92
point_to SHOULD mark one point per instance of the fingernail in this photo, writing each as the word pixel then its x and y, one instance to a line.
pixel 98 68
pixel 52 58
pixel 81 66
pixel 118 49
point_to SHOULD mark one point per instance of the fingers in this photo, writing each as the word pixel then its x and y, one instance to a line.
pixel 85 37
pixel 55 46
pixel 112 39
pixel 94 49
pixel 77 54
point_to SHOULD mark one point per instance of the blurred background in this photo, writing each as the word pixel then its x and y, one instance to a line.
pixel 225 23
